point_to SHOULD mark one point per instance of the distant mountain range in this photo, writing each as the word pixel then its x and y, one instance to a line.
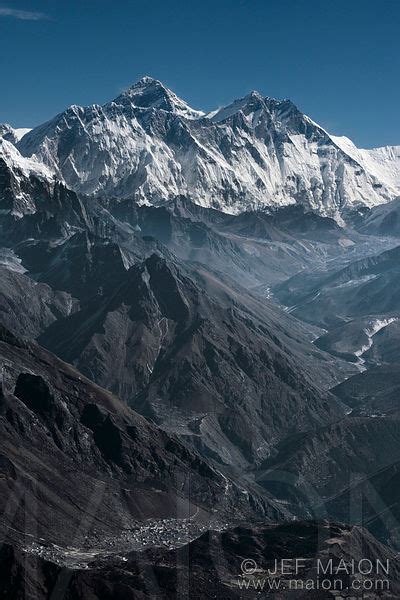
pixel 256 153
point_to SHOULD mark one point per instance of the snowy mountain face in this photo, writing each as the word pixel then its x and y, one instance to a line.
pixel 383 162
pixel 255 153
pixel 21 180
pixel 12 135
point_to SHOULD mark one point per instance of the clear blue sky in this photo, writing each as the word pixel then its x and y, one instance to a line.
pixel 338 60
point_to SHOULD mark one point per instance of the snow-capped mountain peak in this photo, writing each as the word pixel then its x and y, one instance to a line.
pixel 253 101
pixel 151 93
pixel 281 114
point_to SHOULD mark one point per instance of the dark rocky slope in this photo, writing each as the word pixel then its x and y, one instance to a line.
pixel 35 207
pixel 211 371
pixel 77 465
pixel 375 391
